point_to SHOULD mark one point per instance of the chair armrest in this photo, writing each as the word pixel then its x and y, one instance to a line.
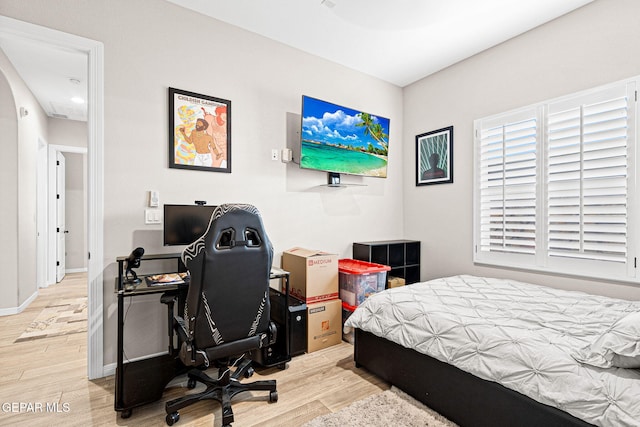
pixel 180 327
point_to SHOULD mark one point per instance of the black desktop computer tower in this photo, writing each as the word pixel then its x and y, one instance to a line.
pixel 297 326
pixel 276 354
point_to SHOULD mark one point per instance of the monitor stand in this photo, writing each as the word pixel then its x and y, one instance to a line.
pixel 333 179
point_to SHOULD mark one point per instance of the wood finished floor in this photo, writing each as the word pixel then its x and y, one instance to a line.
pixel 54 371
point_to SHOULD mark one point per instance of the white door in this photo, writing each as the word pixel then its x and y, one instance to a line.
pixel 41 215
pixel 61 230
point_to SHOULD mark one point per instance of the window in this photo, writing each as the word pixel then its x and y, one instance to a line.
pixel 555 185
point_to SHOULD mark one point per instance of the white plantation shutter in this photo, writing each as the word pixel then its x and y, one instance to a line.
pixel 555 185
pixel 587 179
pixel 508 187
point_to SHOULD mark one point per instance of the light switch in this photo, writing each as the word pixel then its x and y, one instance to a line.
pixel 152 216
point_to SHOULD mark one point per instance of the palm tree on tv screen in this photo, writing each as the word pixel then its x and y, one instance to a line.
pixel 375 130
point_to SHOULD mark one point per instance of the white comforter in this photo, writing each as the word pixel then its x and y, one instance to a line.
pixel 519 335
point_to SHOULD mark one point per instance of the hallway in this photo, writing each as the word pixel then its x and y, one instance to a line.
pixel 43 381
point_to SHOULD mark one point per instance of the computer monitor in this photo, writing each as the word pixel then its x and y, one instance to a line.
pixel 184 224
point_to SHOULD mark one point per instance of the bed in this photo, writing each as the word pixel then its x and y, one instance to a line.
pixel 495 352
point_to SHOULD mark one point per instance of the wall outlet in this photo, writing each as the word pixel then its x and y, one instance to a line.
pixel 275 155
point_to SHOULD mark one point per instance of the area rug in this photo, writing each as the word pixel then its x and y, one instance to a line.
pixel 61 317
pixel 389 408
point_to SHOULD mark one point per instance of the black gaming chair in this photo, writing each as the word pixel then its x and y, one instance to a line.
pixel 227 309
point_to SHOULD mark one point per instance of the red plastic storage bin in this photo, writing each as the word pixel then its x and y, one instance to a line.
pixel 359 279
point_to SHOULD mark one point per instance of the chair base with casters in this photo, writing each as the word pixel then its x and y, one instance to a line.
pixel 222 389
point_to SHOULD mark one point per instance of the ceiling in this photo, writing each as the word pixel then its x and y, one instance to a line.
pixel 56 76
pixel 399 41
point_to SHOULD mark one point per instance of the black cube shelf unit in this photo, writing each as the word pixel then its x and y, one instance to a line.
pixel 403 256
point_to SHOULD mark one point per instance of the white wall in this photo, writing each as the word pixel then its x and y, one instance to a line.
pixel 594 45
pixel 265 80
pixel 18 187
pixel 151 45
pixel 8 193
pixel 71 133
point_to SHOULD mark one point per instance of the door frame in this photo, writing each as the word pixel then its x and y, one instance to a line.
pixel 61 223
pixel 54 149
pixel 95 172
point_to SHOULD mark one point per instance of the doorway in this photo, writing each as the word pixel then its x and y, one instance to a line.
pixel 67 200
pixel 95 171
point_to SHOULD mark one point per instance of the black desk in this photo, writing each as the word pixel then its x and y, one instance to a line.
pixel 143 381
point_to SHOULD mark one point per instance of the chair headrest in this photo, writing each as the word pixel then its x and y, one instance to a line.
pixel 223 217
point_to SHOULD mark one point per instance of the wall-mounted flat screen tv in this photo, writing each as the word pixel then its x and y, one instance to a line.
pixel 184 224
pixel 338 139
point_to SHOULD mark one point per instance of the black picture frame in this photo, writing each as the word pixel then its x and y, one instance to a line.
pixel 434 157
pixel 199 132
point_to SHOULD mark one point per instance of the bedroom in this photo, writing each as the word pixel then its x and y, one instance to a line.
pixel 550 61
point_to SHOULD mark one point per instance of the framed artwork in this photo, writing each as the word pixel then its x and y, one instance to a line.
pixel 434 157
pixel 199 132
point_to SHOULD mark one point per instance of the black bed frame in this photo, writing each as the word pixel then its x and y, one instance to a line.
pixel 461 397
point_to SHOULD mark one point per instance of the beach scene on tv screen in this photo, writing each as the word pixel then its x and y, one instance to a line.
pixel 339 139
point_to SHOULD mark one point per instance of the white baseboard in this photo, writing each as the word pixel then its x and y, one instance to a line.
pixel 109 369
pixel 75 270
pixel 15 310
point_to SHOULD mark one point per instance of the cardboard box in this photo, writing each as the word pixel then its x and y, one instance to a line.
pixel 395 282
pixel 324 324
pixel 313 275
